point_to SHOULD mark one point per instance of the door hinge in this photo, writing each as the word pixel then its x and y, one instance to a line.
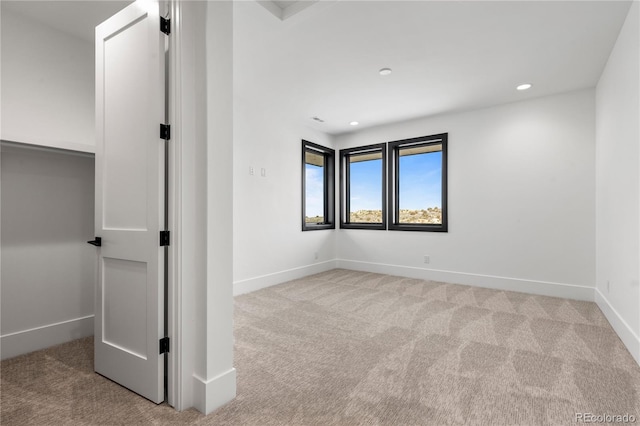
pixel 165 238
pixel 165 25
pixel 165 132
pixel 164 345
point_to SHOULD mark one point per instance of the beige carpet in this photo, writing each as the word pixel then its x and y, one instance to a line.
pixel 354 348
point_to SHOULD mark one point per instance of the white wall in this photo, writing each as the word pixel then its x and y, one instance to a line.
pixel 202 217
pixel 269 245
pixel 48 270
pixel 521 200
pixel 217 375
pixel 47 85
pixel 618 185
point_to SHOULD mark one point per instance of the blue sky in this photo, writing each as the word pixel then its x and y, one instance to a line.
pixel 420 184
pixel 421 181
pixel 366 185
pixel 314 197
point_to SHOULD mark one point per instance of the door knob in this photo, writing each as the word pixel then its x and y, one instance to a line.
pixel 97 242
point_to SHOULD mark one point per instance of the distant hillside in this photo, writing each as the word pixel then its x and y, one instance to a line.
pixel 315 219
pixel 430 215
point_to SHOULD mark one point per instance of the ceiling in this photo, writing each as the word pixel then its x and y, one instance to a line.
pixel 321 58
pixel 446 56
pixel 76 18
pixel 284 9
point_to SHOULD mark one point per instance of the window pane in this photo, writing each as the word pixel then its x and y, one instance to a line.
pixel 365 188
pixel 420 184
pixel 318 187
pixel 314 187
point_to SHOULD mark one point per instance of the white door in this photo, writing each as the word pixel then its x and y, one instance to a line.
pixel 130 106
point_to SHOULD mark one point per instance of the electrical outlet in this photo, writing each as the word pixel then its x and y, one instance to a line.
pixel 263 172
pixel 426 259
pixel 608 286
pixel 251 172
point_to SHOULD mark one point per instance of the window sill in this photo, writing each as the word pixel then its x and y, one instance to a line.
pixel 375 226
pixel 418 227
pixel 317 227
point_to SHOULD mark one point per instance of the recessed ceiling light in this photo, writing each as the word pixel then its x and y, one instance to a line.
pixel 354 123
pixel 524 86
pixel 385 71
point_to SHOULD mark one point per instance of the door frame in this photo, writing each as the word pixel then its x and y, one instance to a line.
pixel 180 357
pixel 183 276
pixel 196 377
pixel 174 305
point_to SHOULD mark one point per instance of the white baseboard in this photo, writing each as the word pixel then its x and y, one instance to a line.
pixel 263 281
pixel 626 334
pixel 211 394
pixel 568 291
pixel 22 342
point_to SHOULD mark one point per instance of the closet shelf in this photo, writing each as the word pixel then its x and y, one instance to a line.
pixel 62 147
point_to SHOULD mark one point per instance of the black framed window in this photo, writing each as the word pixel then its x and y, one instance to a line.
pixel 363 187
pixel 418 184
pixel 318 183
